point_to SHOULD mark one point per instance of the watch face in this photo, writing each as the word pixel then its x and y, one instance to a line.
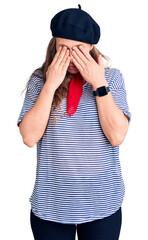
pixel 102 91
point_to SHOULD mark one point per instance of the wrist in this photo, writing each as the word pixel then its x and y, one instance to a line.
pixel 49 87
pixel 100 84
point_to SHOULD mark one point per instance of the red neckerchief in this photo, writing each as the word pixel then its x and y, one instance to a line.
pixel 74 93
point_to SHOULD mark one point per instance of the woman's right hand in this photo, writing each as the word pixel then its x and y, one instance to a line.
pixel 57 69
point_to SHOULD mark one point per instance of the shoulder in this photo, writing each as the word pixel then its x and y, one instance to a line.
pixel 36 80
pixel 114 77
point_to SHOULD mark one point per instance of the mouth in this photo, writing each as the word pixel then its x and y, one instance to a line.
pixel 72 67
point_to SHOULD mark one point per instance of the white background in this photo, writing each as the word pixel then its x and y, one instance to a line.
pixel 25 34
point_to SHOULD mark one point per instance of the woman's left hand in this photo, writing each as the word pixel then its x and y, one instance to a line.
pixel 92 72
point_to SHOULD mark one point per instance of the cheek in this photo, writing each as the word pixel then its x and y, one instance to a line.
pixel 57 47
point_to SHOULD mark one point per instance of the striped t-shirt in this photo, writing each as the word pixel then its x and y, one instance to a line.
pixel 78 172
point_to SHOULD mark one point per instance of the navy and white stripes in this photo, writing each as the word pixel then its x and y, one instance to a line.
pixel 78 172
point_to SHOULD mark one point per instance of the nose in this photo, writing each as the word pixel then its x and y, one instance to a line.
pixel 70 54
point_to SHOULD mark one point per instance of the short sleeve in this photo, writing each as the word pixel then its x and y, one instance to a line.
pixel 31 96
pixel 119 94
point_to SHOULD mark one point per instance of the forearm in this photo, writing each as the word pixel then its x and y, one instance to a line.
pixel 35 120
pixel 113 121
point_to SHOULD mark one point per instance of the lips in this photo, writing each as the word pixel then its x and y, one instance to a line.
pixel 72 67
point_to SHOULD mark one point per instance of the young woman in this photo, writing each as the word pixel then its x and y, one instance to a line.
pixel 79 185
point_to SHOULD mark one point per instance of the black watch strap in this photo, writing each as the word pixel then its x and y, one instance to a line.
pixel 101 91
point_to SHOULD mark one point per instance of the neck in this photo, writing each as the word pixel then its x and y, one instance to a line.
pixel 72 75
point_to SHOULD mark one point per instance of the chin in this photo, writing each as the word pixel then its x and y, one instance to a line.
pixel 73 71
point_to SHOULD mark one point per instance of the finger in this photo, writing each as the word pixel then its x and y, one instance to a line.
pixel 86 54
pixel 57 55
pixel 64 59
pixel 66 63
pixel 79 60
pixel 61 55
pixel 100 60
pixel 81 55
pixel 78 66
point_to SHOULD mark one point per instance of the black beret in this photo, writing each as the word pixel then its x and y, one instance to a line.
pixel 75 24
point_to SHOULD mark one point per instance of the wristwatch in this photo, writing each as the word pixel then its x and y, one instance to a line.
pixel 101 91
